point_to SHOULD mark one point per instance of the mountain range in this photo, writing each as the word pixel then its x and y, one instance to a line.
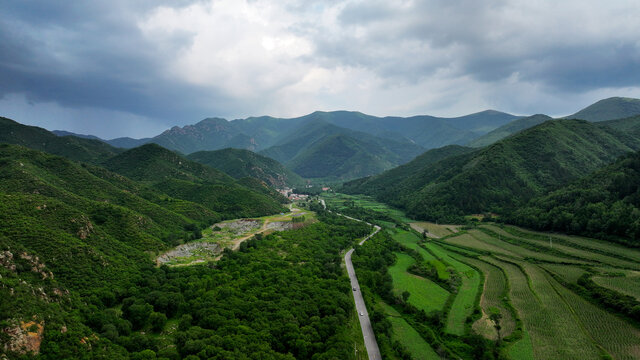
pixel 502 176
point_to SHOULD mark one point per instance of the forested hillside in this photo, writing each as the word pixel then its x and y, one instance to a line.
pixel 241 163
pixel 75 148
pixel 77 276
pixel 508 173
pixel 509 129
pixel 605 204
pixel 179 177
pixel 609 109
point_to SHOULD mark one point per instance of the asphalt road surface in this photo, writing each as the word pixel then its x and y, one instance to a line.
pixel 365 324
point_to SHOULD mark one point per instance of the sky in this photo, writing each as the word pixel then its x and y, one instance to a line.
pixel 135 68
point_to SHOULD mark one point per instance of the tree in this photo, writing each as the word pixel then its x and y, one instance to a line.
pixel 495 316
pixel 405 295
pixel 157 321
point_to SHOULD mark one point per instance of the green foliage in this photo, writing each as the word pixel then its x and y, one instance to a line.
pixel 72 147
pixel 509 129
pixel 605 204
pixel 503 176
pixel 244 163
pixel 316 149
pixel 607 109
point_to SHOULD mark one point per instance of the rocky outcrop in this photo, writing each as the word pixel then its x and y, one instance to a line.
pixel 24 337
pixel 189 249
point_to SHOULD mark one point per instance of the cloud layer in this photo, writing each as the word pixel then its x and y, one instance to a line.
pixel 117 68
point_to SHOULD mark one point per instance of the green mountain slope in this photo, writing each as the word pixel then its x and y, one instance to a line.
pixel 72 147
pixel 72 213
pixel 509 129
pixel 259 133
pixel 342 157
pixel 242 163
pixel 321 150
pixel 605 204
pixel 387 181
pixel 608 109
pixel 506 174
pixel 627 125
pixel 179 177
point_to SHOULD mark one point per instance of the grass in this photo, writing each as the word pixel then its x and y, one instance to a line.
pixel 568 273
pixel 337 200
pixel 521 251
pixel 568 248
pixel 409 337
pixel 522 349
pixel 464 302
pixel 434 229
pixel 411 241
pixel 472 240
pixel 425 294
pixel 580 242
pixel 493 295
pixel 629 284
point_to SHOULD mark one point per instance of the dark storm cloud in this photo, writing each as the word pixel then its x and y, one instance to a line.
pixel 174 62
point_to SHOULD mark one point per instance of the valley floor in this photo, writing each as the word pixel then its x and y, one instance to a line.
pixel 530 295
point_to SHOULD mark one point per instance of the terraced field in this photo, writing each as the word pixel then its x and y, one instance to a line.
pixel 527 278
pixel 493 297
pixel 425 294
pixel 628 284
pixel 408 336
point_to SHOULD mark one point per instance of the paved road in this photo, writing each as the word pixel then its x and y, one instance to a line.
pixel 365 323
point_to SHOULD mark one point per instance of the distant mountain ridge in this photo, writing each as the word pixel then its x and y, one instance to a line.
pixel 503 175
pixel 509 129
pixel 609 109
pixel 240 163
pixel 318 149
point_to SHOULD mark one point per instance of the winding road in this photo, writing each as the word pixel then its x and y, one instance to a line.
pixel 365 323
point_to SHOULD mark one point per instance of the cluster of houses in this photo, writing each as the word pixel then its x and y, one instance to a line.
pixel 289 194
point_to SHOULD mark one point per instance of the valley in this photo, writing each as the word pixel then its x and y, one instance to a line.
pixel 532 293
pixel 341 239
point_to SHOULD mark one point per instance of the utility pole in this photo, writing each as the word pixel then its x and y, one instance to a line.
pixel 550 243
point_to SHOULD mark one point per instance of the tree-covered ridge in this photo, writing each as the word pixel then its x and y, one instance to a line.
pixel 605 204
pixel 627 125
pixel 508 173
pixel 240 163
pixel 72 147
pixel 388 181
pixel 608 109
pixel 509 129
pixel 317 149
pixel 153 163
pixel 181 178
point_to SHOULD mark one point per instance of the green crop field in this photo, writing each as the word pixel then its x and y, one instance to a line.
pixel 410 240
pixel 568 248
pixel 580 242
pixel 337 200
pixel 408 336
pixel 629 284
pixel 425 294
pixel 464 301
pixel 568 273
pixel 471 240
pixel 493 294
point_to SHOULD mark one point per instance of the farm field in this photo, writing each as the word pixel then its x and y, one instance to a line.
pixel 425 294
pixel 629 284
pixel 435 230
pixel 525 278
pixel 408 336
pixel 337 200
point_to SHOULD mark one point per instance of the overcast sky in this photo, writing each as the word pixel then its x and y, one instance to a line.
pixel 134 68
